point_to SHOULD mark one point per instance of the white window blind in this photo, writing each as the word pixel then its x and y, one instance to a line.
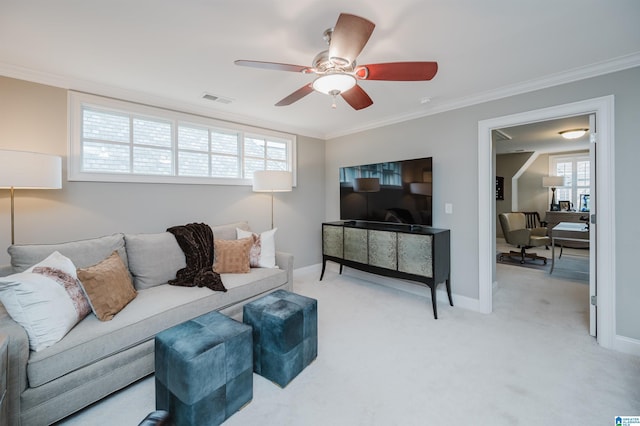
pixel 114 140
pixel 576 170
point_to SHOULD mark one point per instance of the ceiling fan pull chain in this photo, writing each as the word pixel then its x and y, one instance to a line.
pixel 334 94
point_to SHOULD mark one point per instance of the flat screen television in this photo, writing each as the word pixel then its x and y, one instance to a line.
pixel 396 191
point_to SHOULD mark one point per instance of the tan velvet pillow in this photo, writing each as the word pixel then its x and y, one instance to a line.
pixel 108 286
pixel 232 256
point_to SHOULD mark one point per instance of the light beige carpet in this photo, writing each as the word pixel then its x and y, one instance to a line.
pixel 384 360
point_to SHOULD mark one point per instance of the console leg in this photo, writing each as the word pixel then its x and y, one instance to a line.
pixel 433 301
pixel 324 265
pixel 341 268
pixel 448 284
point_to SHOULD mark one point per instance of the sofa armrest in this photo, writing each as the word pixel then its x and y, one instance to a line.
pixel 285 262
pixel 17 357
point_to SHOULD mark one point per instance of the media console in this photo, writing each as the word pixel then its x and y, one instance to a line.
pixel 412 252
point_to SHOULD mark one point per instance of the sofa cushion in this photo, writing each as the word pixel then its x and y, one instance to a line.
pixel 264 246
pixel 82 253
pixel 108 286
pixel 228 232
pixel 153 310
pixel 41 300
pixel 232 256
pixel 154 259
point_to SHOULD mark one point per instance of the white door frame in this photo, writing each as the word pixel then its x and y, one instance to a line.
pixel 605 189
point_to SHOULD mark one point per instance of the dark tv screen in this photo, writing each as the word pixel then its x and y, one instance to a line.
pixel 397 191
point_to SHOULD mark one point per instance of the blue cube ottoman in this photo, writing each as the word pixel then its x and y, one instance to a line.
pixel 285 334
pixel 204 369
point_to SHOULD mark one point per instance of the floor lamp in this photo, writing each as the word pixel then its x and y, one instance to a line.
pixel 552 182
pixel 272 181
pixel 28 170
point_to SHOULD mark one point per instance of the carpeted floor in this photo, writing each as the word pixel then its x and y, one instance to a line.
pixel 573 265
pixel 384 360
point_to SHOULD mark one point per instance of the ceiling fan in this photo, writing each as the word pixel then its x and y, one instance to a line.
pixel 337 70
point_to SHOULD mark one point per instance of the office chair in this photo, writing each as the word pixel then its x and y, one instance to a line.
pixel 515 231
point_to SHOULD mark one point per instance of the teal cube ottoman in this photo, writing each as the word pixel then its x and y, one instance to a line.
pixel 285 334
pixel 204 369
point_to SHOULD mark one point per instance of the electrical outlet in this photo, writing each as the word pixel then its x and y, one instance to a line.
pixel 448 208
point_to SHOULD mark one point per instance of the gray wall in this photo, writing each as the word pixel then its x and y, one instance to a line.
pixel 33 117
pixel 532 196
pixel 451 138
pixel 507 165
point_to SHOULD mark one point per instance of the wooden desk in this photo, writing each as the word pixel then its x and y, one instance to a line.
pixel 567 231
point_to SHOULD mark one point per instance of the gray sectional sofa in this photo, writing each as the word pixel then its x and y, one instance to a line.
pixel 97 358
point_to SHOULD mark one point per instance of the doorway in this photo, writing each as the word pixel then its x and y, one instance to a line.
pixel 525 155
pixel 605 273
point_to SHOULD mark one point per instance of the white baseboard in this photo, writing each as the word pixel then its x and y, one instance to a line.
pixel 310 268
pixel 459 301
pixel 627 345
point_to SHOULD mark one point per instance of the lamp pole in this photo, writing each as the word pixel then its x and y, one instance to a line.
pixel 13 240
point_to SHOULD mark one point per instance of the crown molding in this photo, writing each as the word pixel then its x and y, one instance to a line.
pixel 91 87
pixel 606 67
pixel 594 70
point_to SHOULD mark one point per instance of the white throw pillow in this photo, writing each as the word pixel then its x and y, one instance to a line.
pixel 57 261
pixel 267 242
pixel 39 303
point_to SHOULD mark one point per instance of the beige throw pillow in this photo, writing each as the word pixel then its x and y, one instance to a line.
pixel 108 286
pixel 232 256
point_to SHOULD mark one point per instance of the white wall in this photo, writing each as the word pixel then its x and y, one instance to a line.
pixel 33 117
pixel 451 138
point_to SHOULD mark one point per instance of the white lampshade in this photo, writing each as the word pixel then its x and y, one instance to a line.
pixel 30 170
pixel 272 181
pixel 334 83
pixel 366 184
pixel 552 181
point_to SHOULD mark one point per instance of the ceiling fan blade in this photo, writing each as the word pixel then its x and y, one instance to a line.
pixel 398 71
pixel 296 96
pixel 272 66
pixel 349 36
pixel 357 98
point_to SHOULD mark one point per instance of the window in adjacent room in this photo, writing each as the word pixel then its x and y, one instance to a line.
pixel 118 141
pixel 576 169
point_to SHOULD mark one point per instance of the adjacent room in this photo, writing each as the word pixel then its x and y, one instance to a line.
pixel 312 213
pixel 538 169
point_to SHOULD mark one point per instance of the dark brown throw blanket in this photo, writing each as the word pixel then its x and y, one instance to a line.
pixel 196 241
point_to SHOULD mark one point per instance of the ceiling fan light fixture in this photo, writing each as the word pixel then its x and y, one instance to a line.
pixel 329 84
pixel 573 133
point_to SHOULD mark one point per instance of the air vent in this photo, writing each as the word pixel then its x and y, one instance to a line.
pixel 216 98
pixel 499 135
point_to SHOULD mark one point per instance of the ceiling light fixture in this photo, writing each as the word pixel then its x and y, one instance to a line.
pixel 331 83
pixel 573 133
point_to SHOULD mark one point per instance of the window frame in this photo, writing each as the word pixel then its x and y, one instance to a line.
pixel 78 100
pixel 574 158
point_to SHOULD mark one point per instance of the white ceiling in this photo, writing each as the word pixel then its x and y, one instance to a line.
pixel 543 136
pixel 169 53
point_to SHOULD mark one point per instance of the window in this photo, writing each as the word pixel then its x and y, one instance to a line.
pixel 576 170
pixel 118 141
